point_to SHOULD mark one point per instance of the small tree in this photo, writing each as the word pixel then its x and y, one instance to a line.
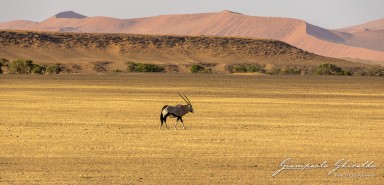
pixel 36 69
pixel 329 69
pixel 53 69
pixel 149 68
pixel 141 67
pixel 197 68
pixel 347 72
pixel 20 66
pixel 255 68
pixel 240 69
pixel 131 67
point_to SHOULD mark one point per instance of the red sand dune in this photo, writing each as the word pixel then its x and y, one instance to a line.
pixel 369 35
pixel 350 43
pixel 372 25
pixel 18 25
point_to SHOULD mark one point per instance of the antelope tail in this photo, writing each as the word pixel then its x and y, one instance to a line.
pixel 161 115
pixel 161 118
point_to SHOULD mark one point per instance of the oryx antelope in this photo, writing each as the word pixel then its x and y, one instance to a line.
pixel 175 111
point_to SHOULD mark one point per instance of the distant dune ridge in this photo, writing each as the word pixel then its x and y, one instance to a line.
pixel 363 43
pixel 115 49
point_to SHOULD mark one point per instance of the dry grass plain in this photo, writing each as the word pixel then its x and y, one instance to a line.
pixel 103 129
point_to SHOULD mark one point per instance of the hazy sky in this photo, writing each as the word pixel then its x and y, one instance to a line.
pixel 324 13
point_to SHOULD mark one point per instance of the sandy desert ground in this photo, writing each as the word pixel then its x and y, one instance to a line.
pixel 103 129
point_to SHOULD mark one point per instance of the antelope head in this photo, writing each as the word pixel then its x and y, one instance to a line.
pixel 185 98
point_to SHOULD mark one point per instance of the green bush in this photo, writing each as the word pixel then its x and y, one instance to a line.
pixel 36 69
pixel 347 72
pixel 255 68
pixel 149 68
pixel 240 69
pixel 197 69
pixel 329 69
pixel 20 66
pixel 247 68
pixel 131 67
pixel 141 67
pixel 53 69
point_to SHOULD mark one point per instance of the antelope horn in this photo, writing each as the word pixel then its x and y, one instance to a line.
pixel 188 100
pixel 183 98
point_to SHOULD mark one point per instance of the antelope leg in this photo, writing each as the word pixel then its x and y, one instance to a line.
pixel 176 122
pixel 182 123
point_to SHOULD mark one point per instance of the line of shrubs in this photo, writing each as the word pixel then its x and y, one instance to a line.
pixel 323 69
pixel 23 66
